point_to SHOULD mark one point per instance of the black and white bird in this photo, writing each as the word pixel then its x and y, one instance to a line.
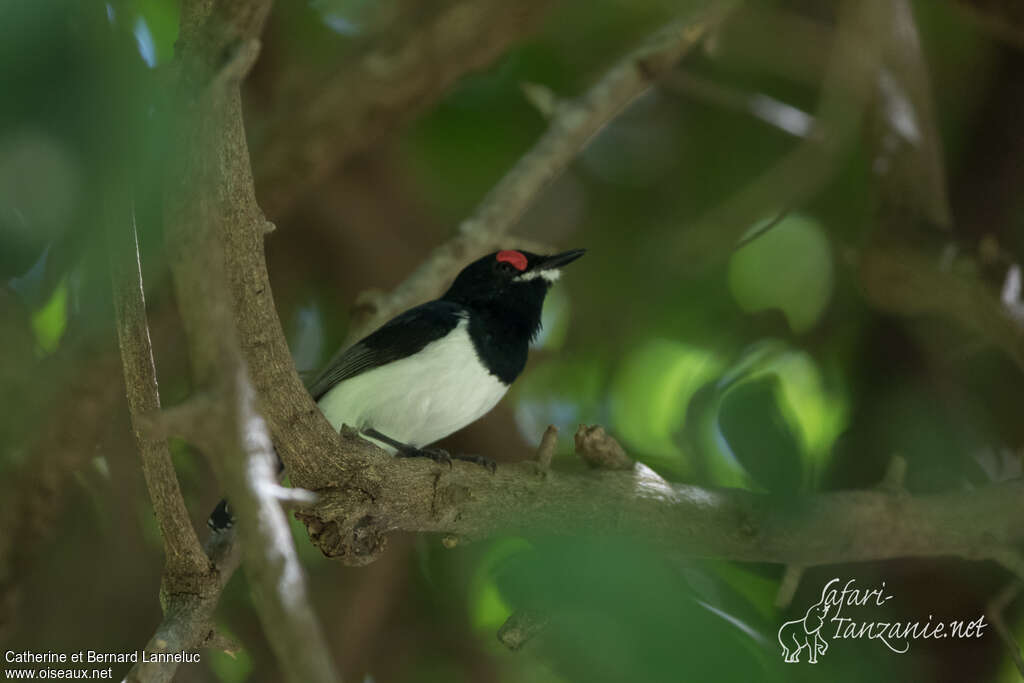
pixel 439 366
pixel 444 364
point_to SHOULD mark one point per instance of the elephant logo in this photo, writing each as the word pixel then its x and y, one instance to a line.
pixel 798 634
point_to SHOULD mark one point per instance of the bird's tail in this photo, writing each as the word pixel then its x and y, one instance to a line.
pixel 221 519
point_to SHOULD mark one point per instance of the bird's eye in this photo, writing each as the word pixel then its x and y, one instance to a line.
pixel 506 267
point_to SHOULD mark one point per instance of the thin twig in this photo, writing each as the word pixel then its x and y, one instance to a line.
pixel 318 121
pixel 1010 558
pixel 775 113
pixel 571 127
pixel 848 85
pixel 521 627
pixel 193 420
pixel 904 135
pixel 895 476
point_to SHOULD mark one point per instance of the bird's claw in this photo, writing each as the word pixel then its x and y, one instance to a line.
pixel 441 456
pixel 486 463
pixel 438 455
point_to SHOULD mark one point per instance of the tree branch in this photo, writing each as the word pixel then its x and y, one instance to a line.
pixel 1003 18
pixel 849 82
pixel 208 182
pixel 897 277
pixel 188 617
pixel 185 557
pixel 306 443
pixel 320 118
pixel 571 127
pixel 350 522
pixel 364 494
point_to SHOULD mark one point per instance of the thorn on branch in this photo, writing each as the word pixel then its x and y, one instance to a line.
pixel 238 59
pixel 1010 558
pixel 600 450
pixel 191 421
pixel 895 476
pixel 787 587
pixel 521 627
pixel 546 451
pixel 224 643
pixel 541 97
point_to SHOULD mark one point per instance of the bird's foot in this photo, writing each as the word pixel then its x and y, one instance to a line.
pixel 438 455
pixel 486 463
pixel 443 457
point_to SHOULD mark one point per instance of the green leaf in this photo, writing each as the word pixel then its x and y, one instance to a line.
pixel 788 268
pixel 651 391
pixel 488 609
pixel 50 321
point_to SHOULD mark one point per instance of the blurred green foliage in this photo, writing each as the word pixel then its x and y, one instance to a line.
pixel 766 371
pixel 788 267
pixel 51 319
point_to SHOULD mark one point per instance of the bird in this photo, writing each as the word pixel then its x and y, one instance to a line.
pixel 437 367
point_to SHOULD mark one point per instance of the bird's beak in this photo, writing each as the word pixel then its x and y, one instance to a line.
pixel 558 260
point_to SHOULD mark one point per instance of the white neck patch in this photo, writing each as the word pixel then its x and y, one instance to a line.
pixel 551 275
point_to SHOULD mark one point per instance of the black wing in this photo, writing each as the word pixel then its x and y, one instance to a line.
pixel 398 338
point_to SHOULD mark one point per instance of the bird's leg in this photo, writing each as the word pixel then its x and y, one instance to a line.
pixel 404 450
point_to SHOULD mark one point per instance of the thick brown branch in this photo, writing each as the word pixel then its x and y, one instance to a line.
pixel 907 282
pixel 209 190
pixel 365 494
pixel 351 521
pixel 188 619
pixel 184 555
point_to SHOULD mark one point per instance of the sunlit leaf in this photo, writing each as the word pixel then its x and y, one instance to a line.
pixel 759 435
pixel 488 608
pixel 51 319
pixel 773 421
pixel 789 268
pixel 651 390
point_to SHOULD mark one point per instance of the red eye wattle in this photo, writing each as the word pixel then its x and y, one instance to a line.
pixel 516 258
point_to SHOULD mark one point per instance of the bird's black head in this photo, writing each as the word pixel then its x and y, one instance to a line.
pixel 510 284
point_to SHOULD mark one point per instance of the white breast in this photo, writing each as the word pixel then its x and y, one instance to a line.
pixel 420 399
